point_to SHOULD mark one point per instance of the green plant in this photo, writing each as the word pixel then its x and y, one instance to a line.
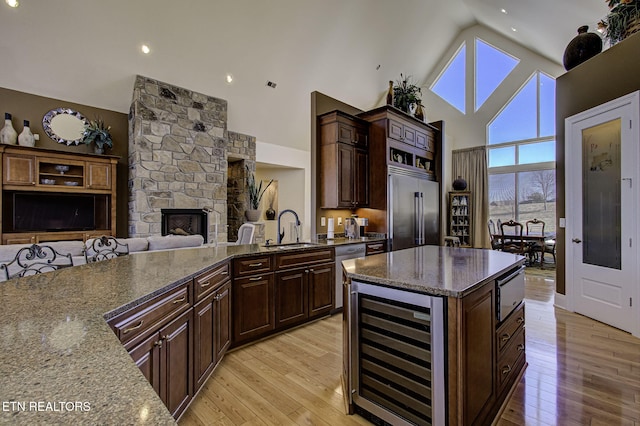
pixel 616 25
pixel 255 192
pixel 405 93
pixel 98 133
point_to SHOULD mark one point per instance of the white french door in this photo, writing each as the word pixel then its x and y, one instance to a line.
pixel 602 160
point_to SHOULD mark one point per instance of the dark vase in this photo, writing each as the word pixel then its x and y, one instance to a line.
pixel 459 184
pixel 270 214
pixel 583 46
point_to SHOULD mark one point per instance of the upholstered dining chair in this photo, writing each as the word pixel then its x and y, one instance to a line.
pixel 512 240
pixel 35 259
pixel 245 233
pixel 496 243
pixel 535 226
pixel 103 248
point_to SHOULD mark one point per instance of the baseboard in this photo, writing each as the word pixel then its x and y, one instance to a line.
pixel 560 301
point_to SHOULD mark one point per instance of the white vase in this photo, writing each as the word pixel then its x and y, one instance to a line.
pixel 8 134
pixel 26 137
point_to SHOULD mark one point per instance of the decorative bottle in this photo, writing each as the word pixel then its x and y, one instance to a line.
pixel 26 137
pixel 8 134
pixel 390 93
pixel 419 114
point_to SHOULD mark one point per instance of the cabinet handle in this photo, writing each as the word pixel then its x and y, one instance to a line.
pixel 505 337
pixel 218 297
pixel 255 279
pixel 224 273
pixel 158 343
pixel 135 327
pixel 375 246
pixel 520 347
pixel 311 270
pixel 506 370
pixel 520 320
pixel 205 284
pixel 182 299
pixel 255 265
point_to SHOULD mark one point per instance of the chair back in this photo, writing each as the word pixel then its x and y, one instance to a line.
pixel 535 226
pixel 512 240
pixel 245 233
pixel 496 243
pixel 103 248
pixel 34 260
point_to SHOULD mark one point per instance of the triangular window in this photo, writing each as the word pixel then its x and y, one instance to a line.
pixel 492 67
pixel 450 85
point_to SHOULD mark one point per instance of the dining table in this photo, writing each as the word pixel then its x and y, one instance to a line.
pixel 534 239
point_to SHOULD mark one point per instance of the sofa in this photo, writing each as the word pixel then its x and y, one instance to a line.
pixel 136 245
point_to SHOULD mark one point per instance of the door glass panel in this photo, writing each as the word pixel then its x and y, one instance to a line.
pixel 601 174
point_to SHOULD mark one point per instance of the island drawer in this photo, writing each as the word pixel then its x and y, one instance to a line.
pixel 510 360
pixel 208 281
pixel 252 265
pixel 151 314
pixel 375 248
pixel 510 327
pixel 304 258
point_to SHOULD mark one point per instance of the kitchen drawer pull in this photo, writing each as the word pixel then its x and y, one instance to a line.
pixel 520 347
pixel 255 279
pixel 255 265
pixel 375 246
pixel 224 273
pixel 506 370
pixel 218 297
pixel 205 284
pixel 520 320
pixel 182 299
pixel 135 327
pixel 158 343
pixel 506 337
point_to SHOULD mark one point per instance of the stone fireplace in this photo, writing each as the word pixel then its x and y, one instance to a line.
pixel 185 222
pixel 179 153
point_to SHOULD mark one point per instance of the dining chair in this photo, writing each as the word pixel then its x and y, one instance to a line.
pixel 35 259
pixel 496 243
pixel 536 227
pixel 245 233
pixel 103 248
pixel 550 247
pixel 512 240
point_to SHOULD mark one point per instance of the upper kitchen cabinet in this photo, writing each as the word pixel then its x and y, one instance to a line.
pixel 344 161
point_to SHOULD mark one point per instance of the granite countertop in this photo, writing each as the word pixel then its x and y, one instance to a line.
pixel 342 240
pixel 60 363
pixel 436 270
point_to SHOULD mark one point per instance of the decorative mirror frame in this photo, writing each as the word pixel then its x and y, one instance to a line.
pixel 46 123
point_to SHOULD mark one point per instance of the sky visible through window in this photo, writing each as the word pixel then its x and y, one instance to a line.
pixel 450 86
pixel 492 67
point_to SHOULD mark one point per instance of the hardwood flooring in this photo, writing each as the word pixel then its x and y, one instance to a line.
pixel 581 372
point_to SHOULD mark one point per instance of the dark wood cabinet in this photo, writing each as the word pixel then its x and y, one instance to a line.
pixel 344 161
pixel 321 289
pixel 253 307
pixel 291 297
pixel 165 359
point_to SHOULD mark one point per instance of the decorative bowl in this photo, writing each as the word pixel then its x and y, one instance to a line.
pixel 70 183
pixel 62 168
pixel 48 181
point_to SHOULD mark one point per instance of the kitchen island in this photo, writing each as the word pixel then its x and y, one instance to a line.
pixel 427 339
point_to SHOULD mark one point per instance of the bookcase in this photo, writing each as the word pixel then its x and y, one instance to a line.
pixel 460 217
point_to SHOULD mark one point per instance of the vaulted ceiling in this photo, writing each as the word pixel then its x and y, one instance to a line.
pixel 88 51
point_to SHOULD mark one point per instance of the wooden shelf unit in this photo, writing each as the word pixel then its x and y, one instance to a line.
pixel 460 217
pixel 50 179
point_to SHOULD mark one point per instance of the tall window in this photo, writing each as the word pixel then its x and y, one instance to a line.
pixel 521 142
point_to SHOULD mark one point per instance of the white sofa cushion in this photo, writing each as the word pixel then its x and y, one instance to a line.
pixel 174 241
pixel 135 244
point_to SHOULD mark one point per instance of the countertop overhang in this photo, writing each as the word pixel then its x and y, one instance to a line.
pixel 436 270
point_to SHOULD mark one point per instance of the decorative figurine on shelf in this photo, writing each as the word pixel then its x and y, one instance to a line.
pixel 419 114
pixel 8 134
pixel 26 138
pixel 98 133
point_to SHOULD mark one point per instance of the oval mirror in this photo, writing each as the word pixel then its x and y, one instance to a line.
pixel 64 125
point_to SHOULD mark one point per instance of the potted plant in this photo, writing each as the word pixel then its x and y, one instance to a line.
pixel 622 21
pixel 98 133
pixel 406 93
pixel 255 193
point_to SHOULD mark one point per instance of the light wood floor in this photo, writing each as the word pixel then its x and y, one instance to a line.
pixel 580 372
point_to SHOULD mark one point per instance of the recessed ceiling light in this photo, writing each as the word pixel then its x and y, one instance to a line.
pixel 514 30
pixel 504 11
pixel 229 78
pixel 145 49
pixel 12 3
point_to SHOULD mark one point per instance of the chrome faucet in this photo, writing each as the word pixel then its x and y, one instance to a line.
pixel 281 234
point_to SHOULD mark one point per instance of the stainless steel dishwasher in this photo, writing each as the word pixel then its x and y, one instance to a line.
pixel 344 252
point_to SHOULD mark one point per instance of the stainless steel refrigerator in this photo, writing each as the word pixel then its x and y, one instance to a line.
pixel 413 209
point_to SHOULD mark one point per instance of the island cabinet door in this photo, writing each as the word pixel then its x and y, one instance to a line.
pixel 146 355
pixel 291 297
pixel 222 322
pixel 177 363
pixel 253 307
pixel 476 355
pixel 321 289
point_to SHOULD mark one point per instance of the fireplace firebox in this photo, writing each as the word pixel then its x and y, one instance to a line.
pixel 185 222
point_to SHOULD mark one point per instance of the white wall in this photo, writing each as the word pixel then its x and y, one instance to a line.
pixel 292 169
pixel 469 130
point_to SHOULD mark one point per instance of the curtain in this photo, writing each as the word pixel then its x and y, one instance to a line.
pixel 471 165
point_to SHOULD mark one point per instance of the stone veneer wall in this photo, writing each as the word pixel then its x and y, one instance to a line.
pixel 179 149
